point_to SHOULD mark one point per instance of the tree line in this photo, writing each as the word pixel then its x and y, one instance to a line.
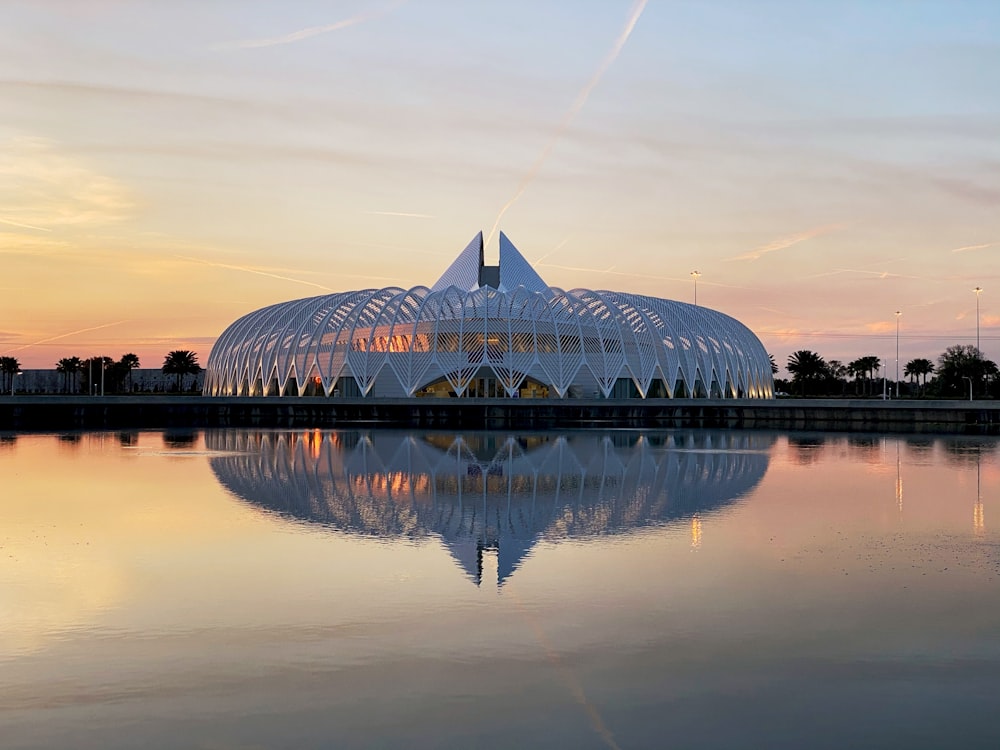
pixel 958 369
pixel 79 375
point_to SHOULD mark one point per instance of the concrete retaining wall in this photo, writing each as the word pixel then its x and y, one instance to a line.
pixel 82 412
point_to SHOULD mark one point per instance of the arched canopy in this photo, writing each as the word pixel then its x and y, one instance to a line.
pixel 394 341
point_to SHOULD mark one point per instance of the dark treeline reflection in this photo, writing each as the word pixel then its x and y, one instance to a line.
pixel 489 492
pixel 810 448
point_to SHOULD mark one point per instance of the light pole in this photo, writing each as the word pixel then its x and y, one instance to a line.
pixel 966 377
pixel 695 275
pixel 12 381
pixel 978 290
pixel 898 313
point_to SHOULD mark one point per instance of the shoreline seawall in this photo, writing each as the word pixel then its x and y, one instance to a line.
pixel 42 413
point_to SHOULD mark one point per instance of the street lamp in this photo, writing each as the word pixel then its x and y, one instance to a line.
pixel 898 313
pixel 966 377
pixel 978 290
pixel 695 275
pixel 16 374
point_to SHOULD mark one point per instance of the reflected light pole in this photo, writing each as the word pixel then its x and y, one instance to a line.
pixel 898 313
pixel 978 290
pixel 695 275
pixel 978 522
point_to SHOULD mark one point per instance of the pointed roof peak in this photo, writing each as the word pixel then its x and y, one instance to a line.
pixel 468 271
pixel 464 270
pixel 515 270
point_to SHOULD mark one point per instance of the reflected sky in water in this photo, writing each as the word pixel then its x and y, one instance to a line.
pixel 383 589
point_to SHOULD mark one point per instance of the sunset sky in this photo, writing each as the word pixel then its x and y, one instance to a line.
pixel 166 167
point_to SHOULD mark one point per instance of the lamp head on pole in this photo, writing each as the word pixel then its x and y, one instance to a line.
pixel 695 275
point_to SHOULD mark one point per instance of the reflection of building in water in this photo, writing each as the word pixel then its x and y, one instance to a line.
pixel 487 493
pixel 695 531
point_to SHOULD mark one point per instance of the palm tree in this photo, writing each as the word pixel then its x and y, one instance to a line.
pixel 805 366
pixel 181 362
pixel 62 368
pixel 917 368
pixel 774 365
pixel 857 370
pixel 865 368
pixel 68 366
pixel 9 366
pixel 131 361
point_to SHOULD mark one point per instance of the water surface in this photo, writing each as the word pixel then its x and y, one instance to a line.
pixel 244 589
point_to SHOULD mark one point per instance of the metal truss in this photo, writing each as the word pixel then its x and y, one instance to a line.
pixel 394 342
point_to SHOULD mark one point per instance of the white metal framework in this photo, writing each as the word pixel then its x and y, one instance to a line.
pixel 490 492
pixel 489 331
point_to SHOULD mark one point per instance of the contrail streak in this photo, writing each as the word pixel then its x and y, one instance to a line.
pixel 786 242
pixel 404 214
pixel 23 226
pixel 250 269
pixel 975 247
pixel 65 335
pixel 581 99
pixel 297 36
pixel 636 275
pixel 554 250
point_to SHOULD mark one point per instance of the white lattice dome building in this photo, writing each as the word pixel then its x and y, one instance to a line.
pixel 488 331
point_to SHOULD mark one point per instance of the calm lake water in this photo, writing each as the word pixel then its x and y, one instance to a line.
pixel 332 589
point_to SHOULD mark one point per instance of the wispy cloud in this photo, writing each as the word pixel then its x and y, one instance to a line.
pixel 967 248
pixel 64 336
pixel 581 99
pixel 41 186
pixel 311 31
pixel 786 242
pixel 403 214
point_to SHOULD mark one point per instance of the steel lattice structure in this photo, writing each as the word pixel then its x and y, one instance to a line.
pixel 479 324
pixel 489 491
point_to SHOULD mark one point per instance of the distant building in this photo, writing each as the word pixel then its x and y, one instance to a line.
pixel 143 381
pixel 488 331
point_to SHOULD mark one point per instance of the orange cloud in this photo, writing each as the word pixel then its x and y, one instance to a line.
pixel 880 326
